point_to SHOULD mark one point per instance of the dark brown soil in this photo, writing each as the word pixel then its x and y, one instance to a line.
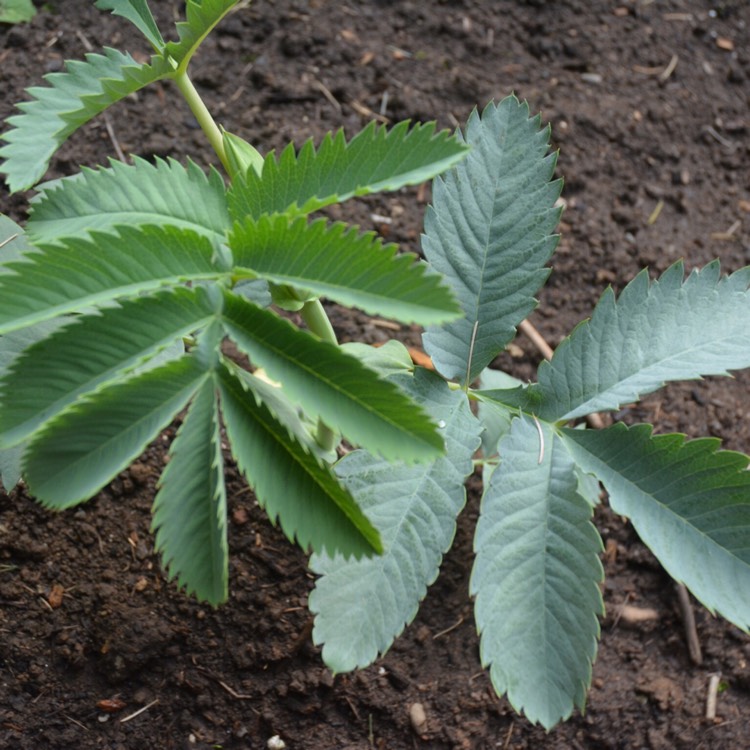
pixel 636 133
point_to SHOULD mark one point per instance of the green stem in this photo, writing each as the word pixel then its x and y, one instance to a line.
pixel 205 120
pixel 317 321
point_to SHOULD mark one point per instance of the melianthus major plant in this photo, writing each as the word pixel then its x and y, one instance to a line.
pixel 117 296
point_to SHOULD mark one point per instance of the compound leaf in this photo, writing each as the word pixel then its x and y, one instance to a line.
pixel 139 14
pixel 90 350
pixel 71 99
pixel 654 333
pixel 79 451
pixel 688 501
pixel 80 272
pixel 375 160
pixel 350 268
pixel 332 385
pixel 144 193
pixel 289 482
pixel 536 577
pixel 489 234
pixel 190 509
pixel 361 606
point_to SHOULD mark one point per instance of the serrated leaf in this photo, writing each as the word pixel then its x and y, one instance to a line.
pixel 489 232
pixel 361 606
pixel 496 417
pixel 91 350
pixel 141 193
pixel 536 576
pixel 295 489
pixel 11 347
pixel 654 333
pixel 78 273
pixel 331 385
pixel 190 509
pixel 71 99
pixel 375 160
pixel 79 451
pixel 200 18
pixel 688 501
pixel 337 262
pixel 139 14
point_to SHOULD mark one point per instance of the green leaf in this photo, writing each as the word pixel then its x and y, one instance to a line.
pixel 71 99
pixel 376 159
pixel 200 18
pixel 13 242
pixel 16 11
pixel 536 577
pixel 190 509
pixel 334 261
pixel 361 606
pixel 489 234
pixel 289 482
pixel 654 333
pixel 11 347
pixel 688 501
pixel 139 14
pixel 91 350
pixel 78 452
pixel 103 199
pixel 331 385
pixel 82 272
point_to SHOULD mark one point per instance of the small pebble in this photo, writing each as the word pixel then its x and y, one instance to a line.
pixel 275 743
pixel 418 718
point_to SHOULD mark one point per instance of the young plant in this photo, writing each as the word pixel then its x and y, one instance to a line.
pixel 116 299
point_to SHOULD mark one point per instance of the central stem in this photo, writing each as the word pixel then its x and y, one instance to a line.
pixel 202 115
pixel 317 321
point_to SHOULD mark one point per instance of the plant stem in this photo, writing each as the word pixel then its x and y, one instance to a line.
pixel 205 120
pixel 317 321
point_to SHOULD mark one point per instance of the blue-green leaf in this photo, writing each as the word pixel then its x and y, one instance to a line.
pixel 361 606
pixel 688 501
pixel 670 329
pixel 536 577
pixel 489 232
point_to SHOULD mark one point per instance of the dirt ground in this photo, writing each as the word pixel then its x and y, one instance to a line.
pixel 649 102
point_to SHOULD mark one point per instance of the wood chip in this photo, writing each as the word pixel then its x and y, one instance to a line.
pixel 55 598
pixel 726 44
pixel 418 718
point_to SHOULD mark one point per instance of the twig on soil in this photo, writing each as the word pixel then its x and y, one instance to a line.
pixel 729 234
pixel 449 629
pixel 536 338
pixel 631 615
pixel 327 94
pixel 506 744
pixel 76 722
pixel 712 695
pixel 688 618
pixel 139 711
pixel 234 693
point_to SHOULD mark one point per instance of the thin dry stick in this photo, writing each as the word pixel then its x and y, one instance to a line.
pixel 139 711
pixel 536 338
pixel 688 617
pixel 712 695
